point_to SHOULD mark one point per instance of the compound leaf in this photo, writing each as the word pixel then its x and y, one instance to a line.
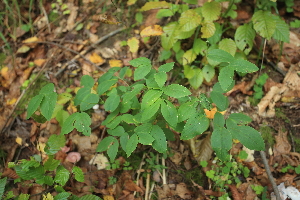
pixel 131 144
pixel 159 143
pixel 194 126
pixel 219 55
pixel 176 91
pixel 243 66
pixel 34 104
pixel 226 77
pixel 169 112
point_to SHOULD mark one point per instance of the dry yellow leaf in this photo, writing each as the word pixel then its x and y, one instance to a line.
pixel 19 140
pixel 210 114
pixel 95 58
pixel 153 30
pixel 31 42
pixel 133 44
pixel 108 197
pixel 11 101
pixel 115 63
pixel 41 146
pixel 39 62
pixel 131 2
pixel 155 5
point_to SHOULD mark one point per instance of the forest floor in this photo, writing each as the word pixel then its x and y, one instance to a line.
pixel 90 39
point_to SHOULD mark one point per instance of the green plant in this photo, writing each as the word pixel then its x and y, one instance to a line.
pixel 223 173
pixel 199 26
pixel 258 189
pixel 289 167
pixel 295 24
pixel 258 87
pixel 132 121
pixel 112 180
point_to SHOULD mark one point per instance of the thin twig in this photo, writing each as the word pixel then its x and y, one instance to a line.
pixel 267 167
pixel 139 171
pixel 89 49
pixel 147 186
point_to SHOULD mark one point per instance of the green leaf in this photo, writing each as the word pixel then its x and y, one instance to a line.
pixel 247 135
pixel 219 55
pixel 82 123
pixel 141 72
pixel 160 78
pixel 113 150
pixel 221 142
pixel 282 32
pixel 181 34
pixel 220 100
pixel 208 29
pixel 90 197
pixel 48 180
pixel 165 55
pixel 54 144
pixel 197 79
pixel 62 196
pixel 243 66
pixel 104 86
pixel 199 46
pixel 136 89
pixel 194 126
pixel 2 186
pixel 168 38
pixel 239 118
pixel 34 104
pixel 150 97
pixel 51 164
pixel 228 45
pixel 79 176
pixel 48 105
pixel 211 10
pixel 89 101
pixel 87 81
pixel 145 138
pixel 186 110
pixel 159 143
pixel 166 67
pixel 188 71
pixel 118 131
pixel 226 77
pixel 169 112
pixel 49 88
pixel 176 91
pixel 244 37
pixel 264 23
pixel 208 72
pixel 150 111
pixel 62 175
pixel 131 144
pixel 189 20
pixel 205 103
pixel 105 144
pixel 217 34
pixel 141 61
pixel 112 102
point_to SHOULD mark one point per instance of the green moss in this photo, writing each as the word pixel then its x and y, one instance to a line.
pixel 266 133
pixel 297 145
pixel 195 175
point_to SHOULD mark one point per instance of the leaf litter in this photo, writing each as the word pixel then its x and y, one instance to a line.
pixel 88 39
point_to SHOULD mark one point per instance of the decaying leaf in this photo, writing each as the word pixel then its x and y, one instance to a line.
pixel 95 58
pixel 115 63
pixel 155 5
pixel 105 18
pixel 100 160
pixel 154 30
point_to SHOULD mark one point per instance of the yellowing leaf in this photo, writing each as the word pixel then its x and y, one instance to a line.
pixel 19 140
pixel 48 197
pixel 131 2
pixel 211 10
pixel 11 101
pixel 210 114
pixel 31 42
pixel 153 30
pixel 208 29
pixel 115 63
pixel 188 57
pixel 108 197
pixel 133 44
pixel 228 45
pixel 23 49
pixel 189 20
pixel 95 58
pixel 39 62
pixel 41 146
pixel 155 5
pixel 107 19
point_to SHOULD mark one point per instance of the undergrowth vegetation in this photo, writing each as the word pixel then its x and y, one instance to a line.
pixel 149 110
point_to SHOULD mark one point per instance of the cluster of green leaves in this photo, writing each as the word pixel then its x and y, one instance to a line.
pixel 225 173
pixel 141 112
pixel 200 25
pixel 258 87
pixel 289 167
pixel 51 173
